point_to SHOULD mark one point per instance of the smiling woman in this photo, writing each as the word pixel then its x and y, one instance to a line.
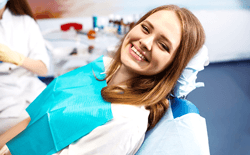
pixel 86 113
pixel 168 37
pixel 151 45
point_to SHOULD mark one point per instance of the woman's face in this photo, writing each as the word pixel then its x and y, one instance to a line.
pixel 150 46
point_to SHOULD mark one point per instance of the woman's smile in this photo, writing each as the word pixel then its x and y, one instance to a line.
pixel 137 54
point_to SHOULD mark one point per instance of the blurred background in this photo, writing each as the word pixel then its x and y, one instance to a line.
pixel 226 22
pixel 225 99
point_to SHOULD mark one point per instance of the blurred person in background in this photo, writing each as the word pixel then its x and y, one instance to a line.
pixel 23 57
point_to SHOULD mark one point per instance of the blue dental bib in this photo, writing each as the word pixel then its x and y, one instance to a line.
pixel 69 108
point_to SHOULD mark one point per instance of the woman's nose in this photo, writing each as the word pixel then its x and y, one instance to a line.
pixel 146 43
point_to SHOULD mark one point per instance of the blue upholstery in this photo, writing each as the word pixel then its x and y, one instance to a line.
pixel 181 107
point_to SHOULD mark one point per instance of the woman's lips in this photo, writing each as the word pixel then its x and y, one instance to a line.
pixel 137 57
pixel 137 54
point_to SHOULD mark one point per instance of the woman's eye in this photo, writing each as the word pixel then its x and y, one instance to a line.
pixel 165 47
pixel 145 29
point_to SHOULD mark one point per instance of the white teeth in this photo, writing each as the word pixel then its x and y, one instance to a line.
pixel 137 52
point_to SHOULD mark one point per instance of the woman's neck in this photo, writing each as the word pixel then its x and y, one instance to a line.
pixel 121 76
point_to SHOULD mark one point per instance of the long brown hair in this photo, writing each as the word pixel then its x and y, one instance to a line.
pixel 20 7
pixel 152 91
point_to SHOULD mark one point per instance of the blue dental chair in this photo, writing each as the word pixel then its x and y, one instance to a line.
pixel 181 131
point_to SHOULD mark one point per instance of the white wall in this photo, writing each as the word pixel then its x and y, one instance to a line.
pixel 227 32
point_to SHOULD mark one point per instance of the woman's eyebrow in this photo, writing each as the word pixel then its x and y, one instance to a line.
pixel 162 36
pixel 169 42
pixel 151 26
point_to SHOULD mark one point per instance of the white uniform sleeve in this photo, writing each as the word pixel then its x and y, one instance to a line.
pixel 36 43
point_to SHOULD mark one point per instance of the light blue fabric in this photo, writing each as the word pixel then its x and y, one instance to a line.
pixel 3 3
pixel 69 108
pixel 167 136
